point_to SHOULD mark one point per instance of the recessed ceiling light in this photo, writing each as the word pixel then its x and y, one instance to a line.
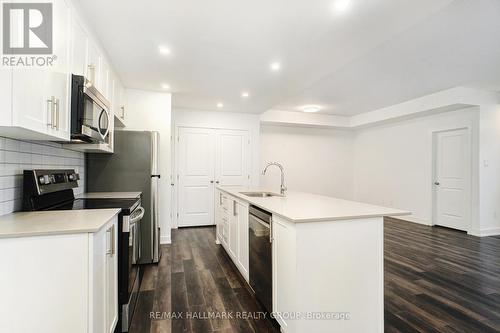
pixel 164 50
pixel 341 5
pixel 275 66
pixel 311 108
pixel 165 86
pixel 245 94
pixel 220 105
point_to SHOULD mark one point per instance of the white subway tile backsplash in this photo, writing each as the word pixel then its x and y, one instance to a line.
pixel 17 156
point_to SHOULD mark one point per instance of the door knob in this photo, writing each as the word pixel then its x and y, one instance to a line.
pixel 211 182
pixel 217 182
pixel 436 183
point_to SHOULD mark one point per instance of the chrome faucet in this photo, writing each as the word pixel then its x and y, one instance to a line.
pixel 282 170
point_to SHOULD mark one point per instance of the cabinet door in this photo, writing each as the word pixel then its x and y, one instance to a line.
pixel 59 84
pixel 32 106
pixel 5 96
pixel 40 95
pixel 103 82
pixel 118 107
pixel 243 250
pixel 218 215
pixel 79 50
pixel 93 63
pixel 112 278
pixel 233 229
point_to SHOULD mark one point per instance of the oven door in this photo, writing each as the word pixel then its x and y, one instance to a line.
pixel 134 254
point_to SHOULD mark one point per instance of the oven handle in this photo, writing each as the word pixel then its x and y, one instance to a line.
pixel 139 216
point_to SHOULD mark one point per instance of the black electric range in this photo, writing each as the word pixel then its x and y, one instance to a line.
pixel 53 190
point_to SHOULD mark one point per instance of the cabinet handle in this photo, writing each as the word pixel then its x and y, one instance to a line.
pixel 92 70
pixel 50 113
pixel 56 107
pixel 234 208
pixel 123 112
pixel 113 240
pixel 220 198
pixel 111 249
pixel 108 246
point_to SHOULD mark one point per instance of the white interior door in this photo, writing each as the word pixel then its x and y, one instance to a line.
pixel 196 153
pixel 452 179
pixel 232 161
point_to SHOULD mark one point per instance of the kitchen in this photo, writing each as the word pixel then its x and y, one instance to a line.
pixel 328 166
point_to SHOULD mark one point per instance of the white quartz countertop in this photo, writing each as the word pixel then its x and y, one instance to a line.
pixel 41 223
pixel 308 207
pixel 110 195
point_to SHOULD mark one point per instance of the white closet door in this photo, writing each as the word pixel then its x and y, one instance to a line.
pixel 196 152
pixel 232 158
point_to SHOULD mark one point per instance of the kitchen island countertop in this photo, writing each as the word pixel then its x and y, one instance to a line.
pixel 307 207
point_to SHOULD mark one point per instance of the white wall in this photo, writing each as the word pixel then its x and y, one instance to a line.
pixel 151 111
pixel 315 160
pixel 393 162
pixel 489 167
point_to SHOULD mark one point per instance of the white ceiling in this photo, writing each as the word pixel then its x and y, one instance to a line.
pixel 374 54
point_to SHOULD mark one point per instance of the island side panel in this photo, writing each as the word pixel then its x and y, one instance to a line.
pixel 340 268
pixel 284 273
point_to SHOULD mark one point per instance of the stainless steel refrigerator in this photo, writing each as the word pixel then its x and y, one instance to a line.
pixel 134 166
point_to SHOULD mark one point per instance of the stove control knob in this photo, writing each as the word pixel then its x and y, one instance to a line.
pixel 44 180
pixel 73 177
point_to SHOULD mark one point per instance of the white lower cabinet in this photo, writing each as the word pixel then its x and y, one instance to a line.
pixel 232 229
pixel 60 283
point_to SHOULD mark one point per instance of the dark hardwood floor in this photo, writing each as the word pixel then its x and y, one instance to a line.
pixel 436 280
pixel 196 279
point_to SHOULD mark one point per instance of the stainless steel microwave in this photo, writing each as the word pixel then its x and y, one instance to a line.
pixel 90 118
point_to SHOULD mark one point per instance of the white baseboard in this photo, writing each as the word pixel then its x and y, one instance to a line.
pixel 485 232
pixel 165 240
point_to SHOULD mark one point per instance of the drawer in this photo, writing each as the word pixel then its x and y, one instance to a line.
pixel 224 201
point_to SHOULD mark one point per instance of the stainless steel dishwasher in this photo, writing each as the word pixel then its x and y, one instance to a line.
pixel 260 257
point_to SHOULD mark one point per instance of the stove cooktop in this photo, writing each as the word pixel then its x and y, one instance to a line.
pixel 126 205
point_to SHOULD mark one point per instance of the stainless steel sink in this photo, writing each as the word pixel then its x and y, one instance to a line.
pixel 261 194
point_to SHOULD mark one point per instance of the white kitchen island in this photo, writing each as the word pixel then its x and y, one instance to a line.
pixel 328 258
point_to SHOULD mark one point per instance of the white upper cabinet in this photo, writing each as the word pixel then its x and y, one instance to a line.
pixel 104 80
pixel 93 63
pixel 79 47
pixel 35 102
pixel 40 104
pixel 119 103
pixel 5 96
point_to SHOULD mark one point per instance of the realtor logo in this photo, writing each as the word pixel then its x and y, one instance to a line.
pixel 27 28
